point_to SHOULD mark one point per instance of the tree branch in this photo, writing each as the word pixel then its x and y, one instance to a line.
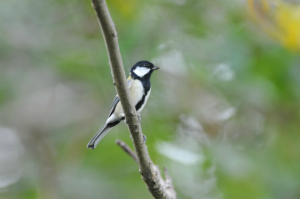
pixel 150 175
pixel 127 150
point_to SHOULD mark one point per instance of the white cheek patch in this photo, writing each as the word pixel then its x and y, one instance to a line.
pixel 141 71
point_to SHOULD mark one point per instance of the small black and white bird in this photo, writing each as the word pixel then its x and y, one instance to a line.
pixel 139 86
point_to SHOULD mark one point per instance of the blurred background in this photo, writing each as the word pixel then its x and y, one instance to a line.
pixel 223 116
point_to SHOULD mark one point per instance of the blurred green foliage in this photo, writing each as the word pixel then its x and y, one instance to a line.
pixel 223 115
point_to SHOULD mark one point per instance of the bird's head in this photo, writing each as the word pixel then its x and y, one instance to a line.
pixel 142 70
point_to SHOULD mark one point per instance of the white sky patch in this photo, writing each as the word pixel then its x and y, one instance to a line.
pixel 141 71
pixel 224 72
pixel 172 61
pixel 11 152
pixel 226 114
pixel 179 154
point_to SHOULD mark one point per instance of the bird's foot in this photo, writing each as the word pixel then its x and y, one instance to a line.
pixel 145 139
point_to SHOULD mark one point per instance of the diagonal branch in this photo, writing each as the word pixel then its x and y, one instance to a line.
pixel 150 175
pixel 127 150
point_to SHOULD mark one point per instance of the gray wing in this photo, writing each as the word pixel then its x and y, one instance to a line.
pixel 117 99
pixel 113 106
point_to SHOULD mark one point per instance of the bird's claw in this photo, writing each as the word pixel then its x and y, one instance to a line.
pixel 145 139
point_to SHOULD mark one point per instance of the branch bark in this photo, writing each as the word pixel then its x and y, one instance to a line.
pixel 150 175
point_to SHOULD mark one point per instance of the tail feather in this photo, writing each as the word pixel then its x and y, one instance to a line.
pixel 98 136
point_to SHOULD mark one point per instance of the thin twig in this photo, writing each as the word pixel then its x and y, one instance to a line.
pixel 127 150
pixel 169 183
pixel 150 176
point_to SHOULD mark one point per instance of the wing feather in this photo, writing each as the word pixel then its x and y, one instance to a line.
pixel 117 99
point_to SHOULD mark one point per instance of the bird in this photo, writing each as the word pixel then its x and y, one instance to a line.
pixel 139 87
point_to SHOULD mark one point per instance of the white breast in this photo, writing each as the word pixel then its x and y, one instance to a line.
pixel 136 91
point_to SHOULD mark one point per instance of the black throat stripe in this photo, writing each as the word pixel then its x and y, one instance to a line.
pixel 147 87
pixel 142 101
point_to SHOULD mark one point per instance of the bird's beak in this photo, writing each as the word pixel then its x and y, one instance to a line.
pixel 155 68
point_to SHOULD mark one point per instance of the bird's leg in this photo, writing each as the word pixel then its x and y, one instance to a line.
pixel 139 117
pixel 123 118
pixel 145 138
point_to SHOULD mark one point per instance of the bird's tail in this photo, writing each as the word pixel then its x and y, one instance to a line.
pixel 98 136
